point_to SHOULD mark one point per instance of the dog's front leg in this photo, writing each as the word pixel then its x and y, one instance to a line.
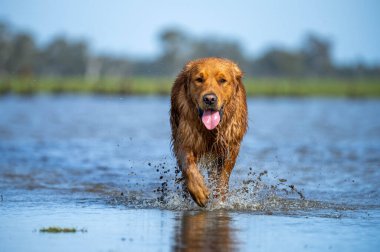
pixel 194 180
pixel 225 168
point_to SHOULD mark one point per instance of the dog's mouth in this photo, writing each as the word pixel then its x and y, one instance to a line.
pixel 210 117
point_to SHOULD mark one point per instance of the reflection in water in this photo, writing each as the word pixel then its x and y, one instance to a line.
pixel 205 231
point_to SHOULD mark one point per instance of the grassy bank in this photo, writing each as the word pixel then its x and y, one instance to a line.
pixel 367 87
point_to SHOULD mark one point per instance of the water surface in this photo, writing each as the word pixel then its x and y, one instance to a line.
pixel 307 177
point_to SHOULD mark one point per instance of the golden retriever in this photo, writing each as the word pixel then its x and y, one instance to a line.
pixel 208 118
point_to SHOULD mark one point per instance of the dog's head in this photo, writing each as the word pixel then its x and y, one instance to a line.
pixel 212 84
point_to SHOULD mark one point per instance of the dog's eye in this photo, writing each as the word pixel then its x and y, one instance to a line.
pixel 222 81
pixel 199 80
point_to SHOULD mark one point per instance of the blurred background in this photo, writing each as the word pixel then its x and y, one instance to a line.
pixel 139 46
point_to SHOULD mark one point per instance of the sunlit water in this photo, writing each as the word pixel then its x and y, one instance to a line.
pixel 308 177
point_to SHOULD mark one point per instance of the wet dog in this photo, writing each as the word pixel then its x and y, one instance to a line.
pixel 208 118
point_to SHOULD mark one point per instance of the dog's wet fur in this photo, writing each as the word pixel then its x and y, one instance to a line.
pixel 208 85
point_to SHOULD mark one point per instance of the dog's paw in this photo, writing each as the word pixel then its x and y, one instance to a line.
pixel 197 187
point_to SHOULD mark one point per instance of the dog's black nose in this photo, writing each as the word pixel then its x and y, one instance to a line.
pixel 210 99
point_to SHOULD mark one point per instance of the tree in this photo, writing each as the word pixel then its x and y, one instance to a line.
pixel 19 55
pixel 23 55
pixel 279 62
pixel 17 52
pixel 63 58
pixel 211 47
pixel 6 45
pixel 175 51
pixel 317 55
pixel 179 48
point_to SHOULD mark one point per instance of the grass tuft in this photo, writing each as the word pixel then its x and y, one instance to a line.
pixel 61 230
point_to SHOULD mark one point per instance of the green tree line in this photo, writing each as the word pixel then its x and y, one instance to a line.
pixel 21 56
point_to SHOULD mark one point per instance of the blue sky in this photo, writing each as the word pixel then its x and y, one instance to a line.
pixel 132 27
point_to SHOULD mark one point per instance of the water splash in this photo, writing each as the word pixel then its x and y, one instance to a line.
pixel 252 194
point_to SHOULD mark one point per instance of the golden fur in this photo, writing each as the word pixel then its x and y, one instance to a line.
pixel 191 140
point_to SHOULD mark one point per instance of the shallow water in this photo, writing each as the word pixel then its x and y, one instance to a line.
pixel 307 177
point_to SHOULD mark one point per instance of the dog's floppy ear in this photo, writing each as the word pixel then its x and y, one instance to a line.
pixel 238 74
pixel 187 70
pixel 184 77
pixel 186 73
pixel 189 65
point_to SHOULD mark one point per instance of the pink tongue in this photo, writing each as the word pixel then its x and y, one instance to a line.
pixel 210 119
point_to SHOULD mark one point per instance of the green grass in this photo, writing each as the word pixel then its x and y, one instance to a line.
pixel 314 87
pixel 356 87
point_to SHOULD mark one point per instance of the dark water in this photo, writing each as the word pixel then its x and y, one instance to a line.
pixel 307 177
